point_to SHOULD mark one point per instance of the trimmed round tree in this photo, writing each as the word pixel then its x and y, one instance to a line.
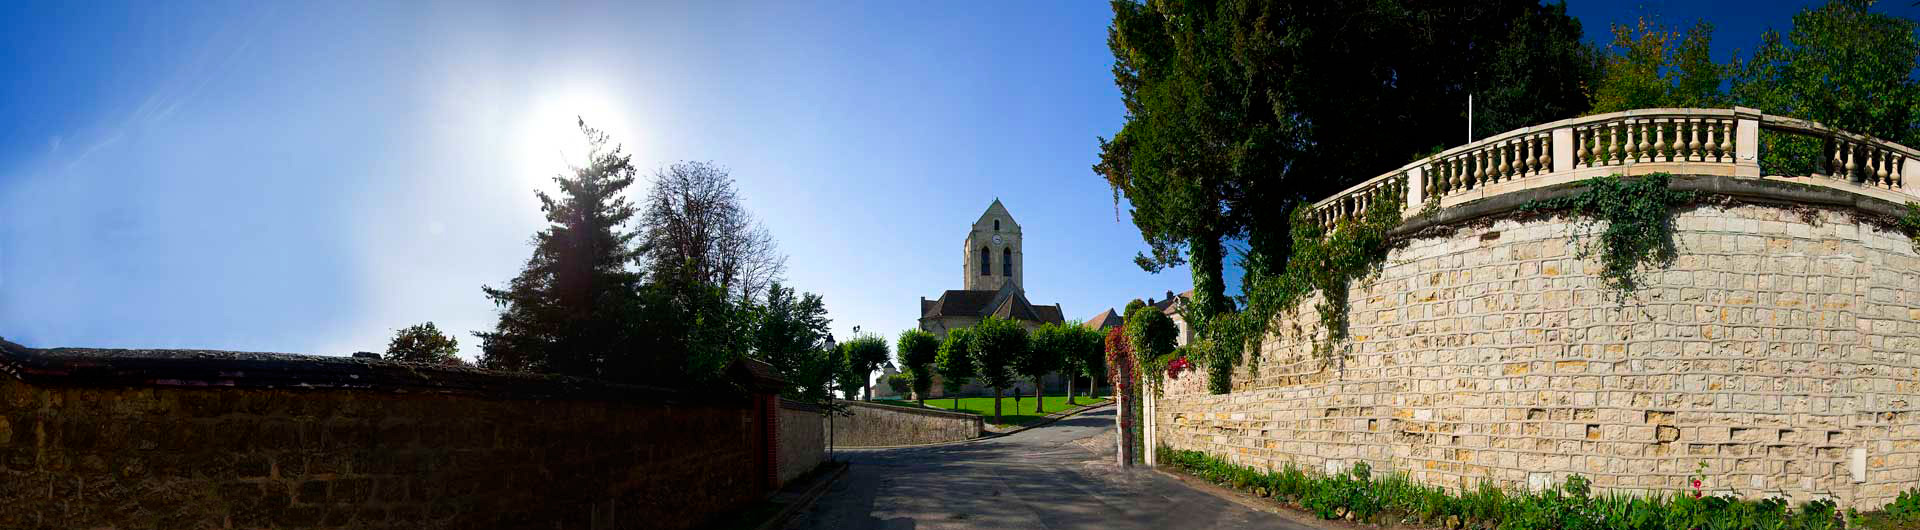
pixel 864 354
pixel 954 362
pixel 1047 352
pixel 1088 357
pixel 997 343
pixel 916 352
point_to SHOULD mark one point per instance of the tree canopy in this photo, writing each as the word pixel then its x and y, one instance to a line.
pixel 1236 110
pixel 864 354
pixel 424 343
pixel 954 361
pixel 996 343
pixel 916 351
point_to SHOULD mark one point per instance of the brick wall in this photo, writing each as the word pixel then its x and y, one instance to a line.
pixel 168 455
pixel 878 425
pixel 1782 348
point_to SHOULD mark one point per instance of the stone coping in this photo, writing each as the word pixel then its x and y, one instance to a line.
pixel 231 369
pixel 913 410
pixel 1780 190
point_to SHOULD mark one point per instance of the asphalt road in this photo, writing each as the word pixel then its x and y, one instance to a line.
pixel 1054 477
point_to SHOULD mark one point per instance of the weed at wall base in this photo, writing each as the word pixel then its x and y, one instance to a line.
pixel 1360 495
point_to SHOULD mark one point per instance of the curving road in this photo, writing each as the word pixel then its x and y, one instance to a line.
pixel 1058 476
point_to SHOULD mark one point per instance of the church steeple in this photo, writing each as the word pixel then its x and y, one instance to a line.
pixel 991 255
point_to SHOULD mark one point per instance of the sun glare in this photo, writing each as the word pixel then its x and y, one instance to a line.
pixel 552 140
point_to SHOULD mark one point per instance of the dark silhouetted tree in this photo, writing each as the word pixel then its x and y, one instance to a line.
pixel 424 344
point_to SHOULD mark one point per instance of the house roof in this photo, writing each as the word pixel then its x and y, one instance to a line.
pixel 1167 305
pixel 1105 320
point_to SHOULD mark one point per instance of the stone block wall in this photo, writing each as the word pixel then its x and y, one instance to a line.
pixel 803 439
pixel 880 425
pixel 91 441
pixel 1781 348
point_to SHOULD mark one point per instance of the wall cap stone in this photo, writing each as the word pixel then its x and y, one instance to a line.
pixel 232 369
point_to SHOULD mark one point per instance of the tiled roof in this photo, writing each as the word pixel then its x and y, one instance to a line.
pixel 959 302
pixel 1006 302
pixel 1104 320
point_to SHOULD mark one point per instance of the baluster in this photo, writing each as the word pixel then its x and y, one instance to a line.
pixel 1712 148
pixel 1527 161
pixel 1837 165
pixel 1880 160
pixel 1660 147
pixel 1453 174
pixel 1636 141
pixel 1693 149
pixel 1506 162
pixel 1614 154
pixel 1545 149
pixel 1644 153
pixel 1895 180
pixel 1853 162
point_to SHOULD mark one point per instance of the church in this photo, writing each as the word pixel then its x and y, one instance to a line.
pixel 992 264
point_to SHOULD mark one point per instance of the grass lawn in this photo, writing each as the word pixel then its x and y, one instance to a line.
pixel 1009 415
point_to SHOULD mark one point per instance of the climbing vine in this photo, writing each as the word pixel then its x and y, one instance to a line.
pixel 1639 225
pixel 1322 261
pixel 1910 224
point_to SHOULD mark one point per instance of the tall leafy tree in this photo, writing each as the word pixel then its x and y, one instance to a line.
pixel 1046 352
pixel 1841 65
pixel 787 330
pixel 1651 65
pixel 996 344
pixel 574 306
pixel 424 343
pixel 917 350
pixel 1236 110
pixel 954 362
pixel 864 354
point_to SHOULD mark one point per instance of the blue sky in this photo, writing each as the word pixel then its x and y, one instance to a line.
pixel 309 177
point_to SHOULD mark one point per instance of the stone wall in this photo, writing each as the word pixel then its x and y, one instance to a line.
pixel 1781 348
pixel 144 439
pixel 803 439
pixel 880 425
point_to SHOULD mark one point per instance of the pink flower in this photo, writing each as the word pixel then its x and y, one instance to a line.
pixel 1696 483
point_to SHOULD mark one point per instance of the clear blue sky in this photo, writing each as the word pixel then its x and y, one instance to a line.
pixel 309 177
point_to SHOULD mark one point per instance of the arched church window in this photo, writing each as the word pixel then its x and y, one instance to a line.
pixel 1006 262
pixel 986 265
pixel 996 225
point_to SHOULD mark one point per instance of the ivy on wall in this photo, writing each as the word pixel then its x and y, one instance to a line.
pixel 1910 224
pixel 1638 217
pixel 1323 261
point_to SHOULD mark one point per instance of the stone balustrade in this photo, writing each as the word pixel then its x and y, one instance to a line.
pixel 1720 142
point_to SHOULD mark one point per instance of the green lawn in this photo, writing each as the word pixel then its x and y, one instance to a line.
pixel 1009 414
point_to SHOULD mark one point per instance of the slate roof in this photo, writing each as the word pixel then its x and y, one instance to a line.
pixel 1009 301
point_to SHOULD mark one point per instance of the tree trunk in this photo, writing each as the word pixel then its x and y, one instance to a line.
pixel 868 389
pixel 996 404
pixel 1039 405
pixel 1070 391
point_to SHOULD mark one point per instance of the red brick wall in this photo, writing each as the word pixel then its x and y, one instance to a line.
pixel 174 457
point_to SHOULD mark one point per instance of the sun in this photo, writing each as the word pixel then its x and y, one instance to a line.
pixel 552 141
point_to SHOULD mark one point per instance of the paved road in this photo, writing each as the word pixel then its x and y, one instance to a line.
pixel 1055 477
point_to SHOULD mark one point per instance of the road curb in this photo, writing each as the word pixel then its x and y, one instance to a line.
pixel 812 494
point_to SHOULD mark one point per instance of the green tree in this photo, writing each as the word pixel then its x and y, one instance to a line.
pixel 917 351
pixel 1841 65
pixel 846 379
pixel 864 354
pixel 954 362
pixel 423 343
pixel 1650 65
pixel 573 308
pixel 900 383
pixel 1090 354
pixel 1236 110
pixel 1150 334
pixel 787 330
pixel 1047 352
pixel 996 343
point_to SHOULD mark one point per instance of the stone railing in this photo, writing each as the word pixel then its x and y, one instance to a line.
pixel 1711 142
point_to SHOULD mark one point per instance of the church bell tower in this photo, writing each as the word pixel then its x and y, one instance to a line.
pixel 992 251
